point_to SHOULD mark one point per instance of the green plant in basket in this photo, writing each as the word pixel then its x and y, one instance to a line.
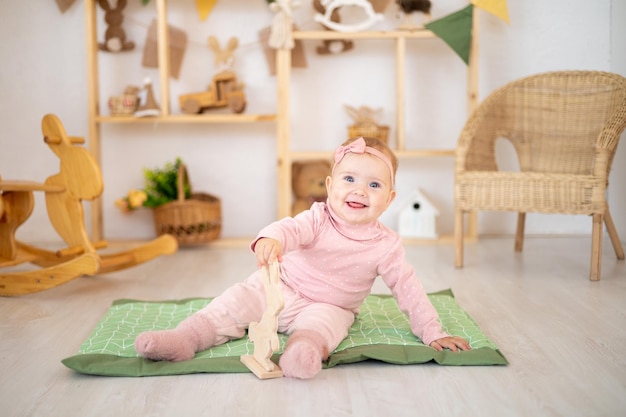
pixel 161 187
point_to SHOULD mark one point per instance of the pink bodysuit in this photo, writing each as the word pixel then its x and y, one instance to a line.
pixel 328 269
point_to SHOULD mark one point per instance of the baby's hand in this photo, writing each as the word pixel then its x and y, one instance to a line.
pixel 268 250
pixel 454 343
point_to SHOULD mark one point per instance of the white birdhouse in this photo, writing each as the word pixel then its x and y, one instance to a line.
pixel 418 217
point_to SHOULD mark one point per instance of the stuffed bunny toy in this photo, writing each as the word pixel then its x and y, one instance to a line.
pixel 115 37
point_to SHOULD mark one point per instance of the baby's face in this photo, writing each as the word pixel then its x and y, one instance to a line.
pixel 360 188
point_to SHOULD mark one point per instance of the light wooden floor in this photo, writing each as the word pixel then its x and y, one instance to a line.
pixel 564 336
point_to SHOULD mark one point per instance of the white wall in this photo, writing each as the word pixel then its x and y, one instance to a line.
pixel 44 71
pixel 617 189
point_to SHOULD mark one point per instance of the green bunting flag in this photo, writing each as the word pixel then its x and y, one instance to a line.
pixel 456 30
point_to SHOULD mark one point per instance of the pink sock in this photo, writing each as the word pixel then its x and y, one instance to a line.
pixel 303 354
pixel 192 335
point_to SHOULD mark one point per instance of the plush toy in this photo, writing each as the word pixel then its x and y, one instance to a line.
pixel 332 46
pixel 410 7
pixel 115 36
pixel 308 180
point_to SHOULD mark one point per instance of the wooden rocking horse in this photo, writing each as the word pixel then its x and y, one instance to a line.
pixel 79 179
pixel 331 6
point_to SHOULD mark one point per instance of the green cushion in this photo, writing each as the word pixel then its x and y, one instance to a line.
pixel 380 332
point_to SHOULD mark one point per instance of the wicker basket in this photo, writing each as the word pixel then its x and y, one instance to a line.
pixel 372 131
pixel 191 221
pixel 124 105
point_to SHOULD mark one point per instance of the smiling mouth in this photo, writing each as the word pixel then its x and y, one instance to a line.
pixel 354 204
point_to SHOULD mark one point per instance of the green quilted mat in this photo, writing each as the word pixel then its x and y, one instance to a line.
pixel 381 332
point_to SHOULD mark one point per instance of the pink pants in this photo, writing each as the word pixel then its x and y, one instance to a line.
pixel 232 312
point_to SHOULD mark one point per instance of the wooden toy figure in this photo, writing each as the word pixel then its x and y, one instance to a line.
pixel 332 5
pixel 366 123
pixel 264 334
pixel 148 105
pixel 224 90
pixel 332 46
pixel 115 37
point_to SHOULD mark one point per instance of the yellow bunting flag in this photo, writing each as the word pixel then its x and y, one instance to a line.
pixel 497 8
pixel 204 7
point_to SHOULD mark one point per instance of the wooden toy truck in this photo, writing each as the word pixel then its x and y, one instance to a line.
pixel 224 91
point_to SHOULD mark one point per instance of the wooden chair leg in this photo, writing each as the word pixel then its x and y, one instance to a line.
pixel 458 238
pixel 519 234
pixel 612 231
pixel 596 247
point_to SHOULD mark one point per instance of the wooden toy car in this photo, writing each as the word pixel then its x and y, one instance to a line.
pixel 224 91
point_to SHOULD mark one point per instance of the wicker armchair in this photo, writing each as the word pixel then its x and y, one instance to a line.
pixel 565 127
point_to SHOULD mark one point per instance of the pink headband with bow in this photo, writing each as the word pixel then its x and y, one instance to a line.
pixel 359 147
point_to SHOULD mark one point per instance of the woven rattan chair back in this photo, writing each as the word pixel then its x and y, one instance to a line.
pixel 565 127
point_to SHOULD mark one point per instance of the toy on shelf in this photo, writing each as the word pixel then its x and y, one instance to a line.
pixel 366 123
pixel 78 179
pixel 410 8
pixel 224 91
pixel 115 36
pixel 281 34
pixel 264 334
pixel 126 103
pixel 147 105
pixel 332 46
pixel 371 17
pixel 281 38
pixel 135 101
pixel 308 182
pixel 418 217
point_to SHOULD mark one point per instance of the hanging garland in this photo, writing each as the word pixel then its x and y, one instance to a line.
pixel 455 29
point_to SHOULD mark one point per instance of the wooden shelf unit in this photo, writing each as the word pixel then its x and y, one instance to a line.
pixel 191 118
pixel 282 117
pixel 97 119
pixel 287 156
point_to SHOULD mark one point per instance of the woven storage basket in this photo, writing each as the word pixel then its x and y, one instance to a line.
pixel 191 221
pixel 124 105
pixel 371 131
